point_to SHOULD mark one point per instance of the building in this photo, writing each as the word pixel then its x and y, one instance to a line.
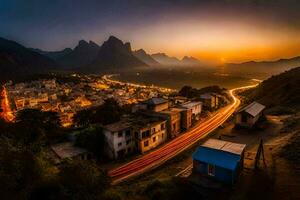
pixel 210 101
pixel 173 117
pixel 67 151
pixel 119 139
pixel 153 104
pixel 149 132
pixel 249 115
pixel 185 117
pixel 196 107
pixel 220 160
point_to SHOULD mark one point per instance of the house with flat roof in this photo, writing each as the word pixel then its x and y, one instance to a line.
pixel 249 115
pixel 119 139
pixel 153 104
pixel 220 160
pixel 149 132
pixel 173 117
pixel 195 106
pixel 68 151
pixel 210 101
pixel 185 117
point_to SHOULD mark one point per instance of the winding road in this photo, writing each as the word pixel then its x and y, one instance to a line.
pixel 177 145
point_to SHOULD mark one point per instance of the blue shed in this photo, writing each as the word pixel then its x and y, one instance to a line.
pixel 219 159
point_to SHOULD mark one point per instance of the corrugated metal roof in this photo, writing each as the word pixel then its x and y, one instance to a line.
pixel 222 145
pixel 253 109
pixel 218 158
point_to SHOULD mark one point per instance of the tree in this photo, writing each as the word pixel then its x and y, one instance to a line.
pixel 82 180
pixel 107 113
pixel 33 126
pixel 92 139
pixel 19 170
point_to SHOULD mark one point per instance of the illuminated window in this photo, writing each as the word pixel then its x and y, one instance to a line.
pixel 146 143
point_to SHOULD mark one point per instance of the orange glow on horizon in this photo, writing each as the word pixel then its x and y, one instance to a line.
pixel 220 40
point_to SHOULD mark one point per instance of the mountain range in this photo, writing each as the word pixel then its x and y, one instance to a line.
pixel 112 55
pixel 263 67
pixel 17 60
pixel 164 59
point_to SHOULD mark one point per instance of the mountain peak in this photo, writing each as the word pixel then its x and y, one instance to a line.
pixel 141 51
pixel 82 42
pixel 113 39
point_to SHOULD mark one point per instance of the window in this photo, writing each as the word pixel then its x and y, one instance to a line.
pixel 127 142
pixel 127 133
pixel 174 126
pixel 162 126
pixel 119 144
pixel 211 170
pixel 154 139
pixel 153 130
pixel 146 143
pixel 162 135
pixel 136 135
pixel 120 134
pixel 146 134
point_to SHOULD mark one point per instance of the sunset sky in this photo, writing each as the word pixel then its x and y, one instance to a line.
pixel 221 30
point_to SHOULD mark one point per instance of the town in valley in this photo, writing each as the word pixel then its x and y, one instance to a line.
pixel 149 100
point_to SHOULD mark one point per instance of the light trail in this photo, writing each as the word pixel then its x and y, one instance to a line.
pixel 6 114
pixel 177 145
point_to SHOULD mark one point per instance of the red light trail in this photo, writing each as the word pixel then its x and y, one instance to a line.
pixel 177 145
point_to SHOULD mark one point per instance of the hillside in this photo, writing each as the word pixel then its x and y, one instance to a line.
pixel 53 54
pixel 17 60
pixel 164 59
pixel 263 68
pixel 280 90
pixel 146 58
pixel 83 54
pixel 115 55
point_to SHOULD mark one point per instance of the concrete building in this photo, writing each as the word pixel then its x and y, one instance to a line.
pixel 185 117
pixel 119 139
pixel 173 117
pixel 149 133
pixel 210 101
pixel 196 107
pixel 249 115
pixel 153 104
pixel 220 160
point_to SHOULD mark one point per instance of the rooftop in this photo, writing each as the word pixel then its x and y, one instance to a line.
pixel 142 121
pixel 155 101
pixel 253 109
pixel 118 126
pixel 191 104
pixel 206 96
pixel 222 145
pixel 67 150
pixel 171 111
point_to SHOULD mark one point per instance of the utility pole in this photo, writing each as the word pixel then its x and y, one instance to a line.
pixel 260 151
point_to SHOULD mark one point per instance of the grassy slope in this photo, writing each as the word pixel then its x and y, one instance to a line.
pixel 280 90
